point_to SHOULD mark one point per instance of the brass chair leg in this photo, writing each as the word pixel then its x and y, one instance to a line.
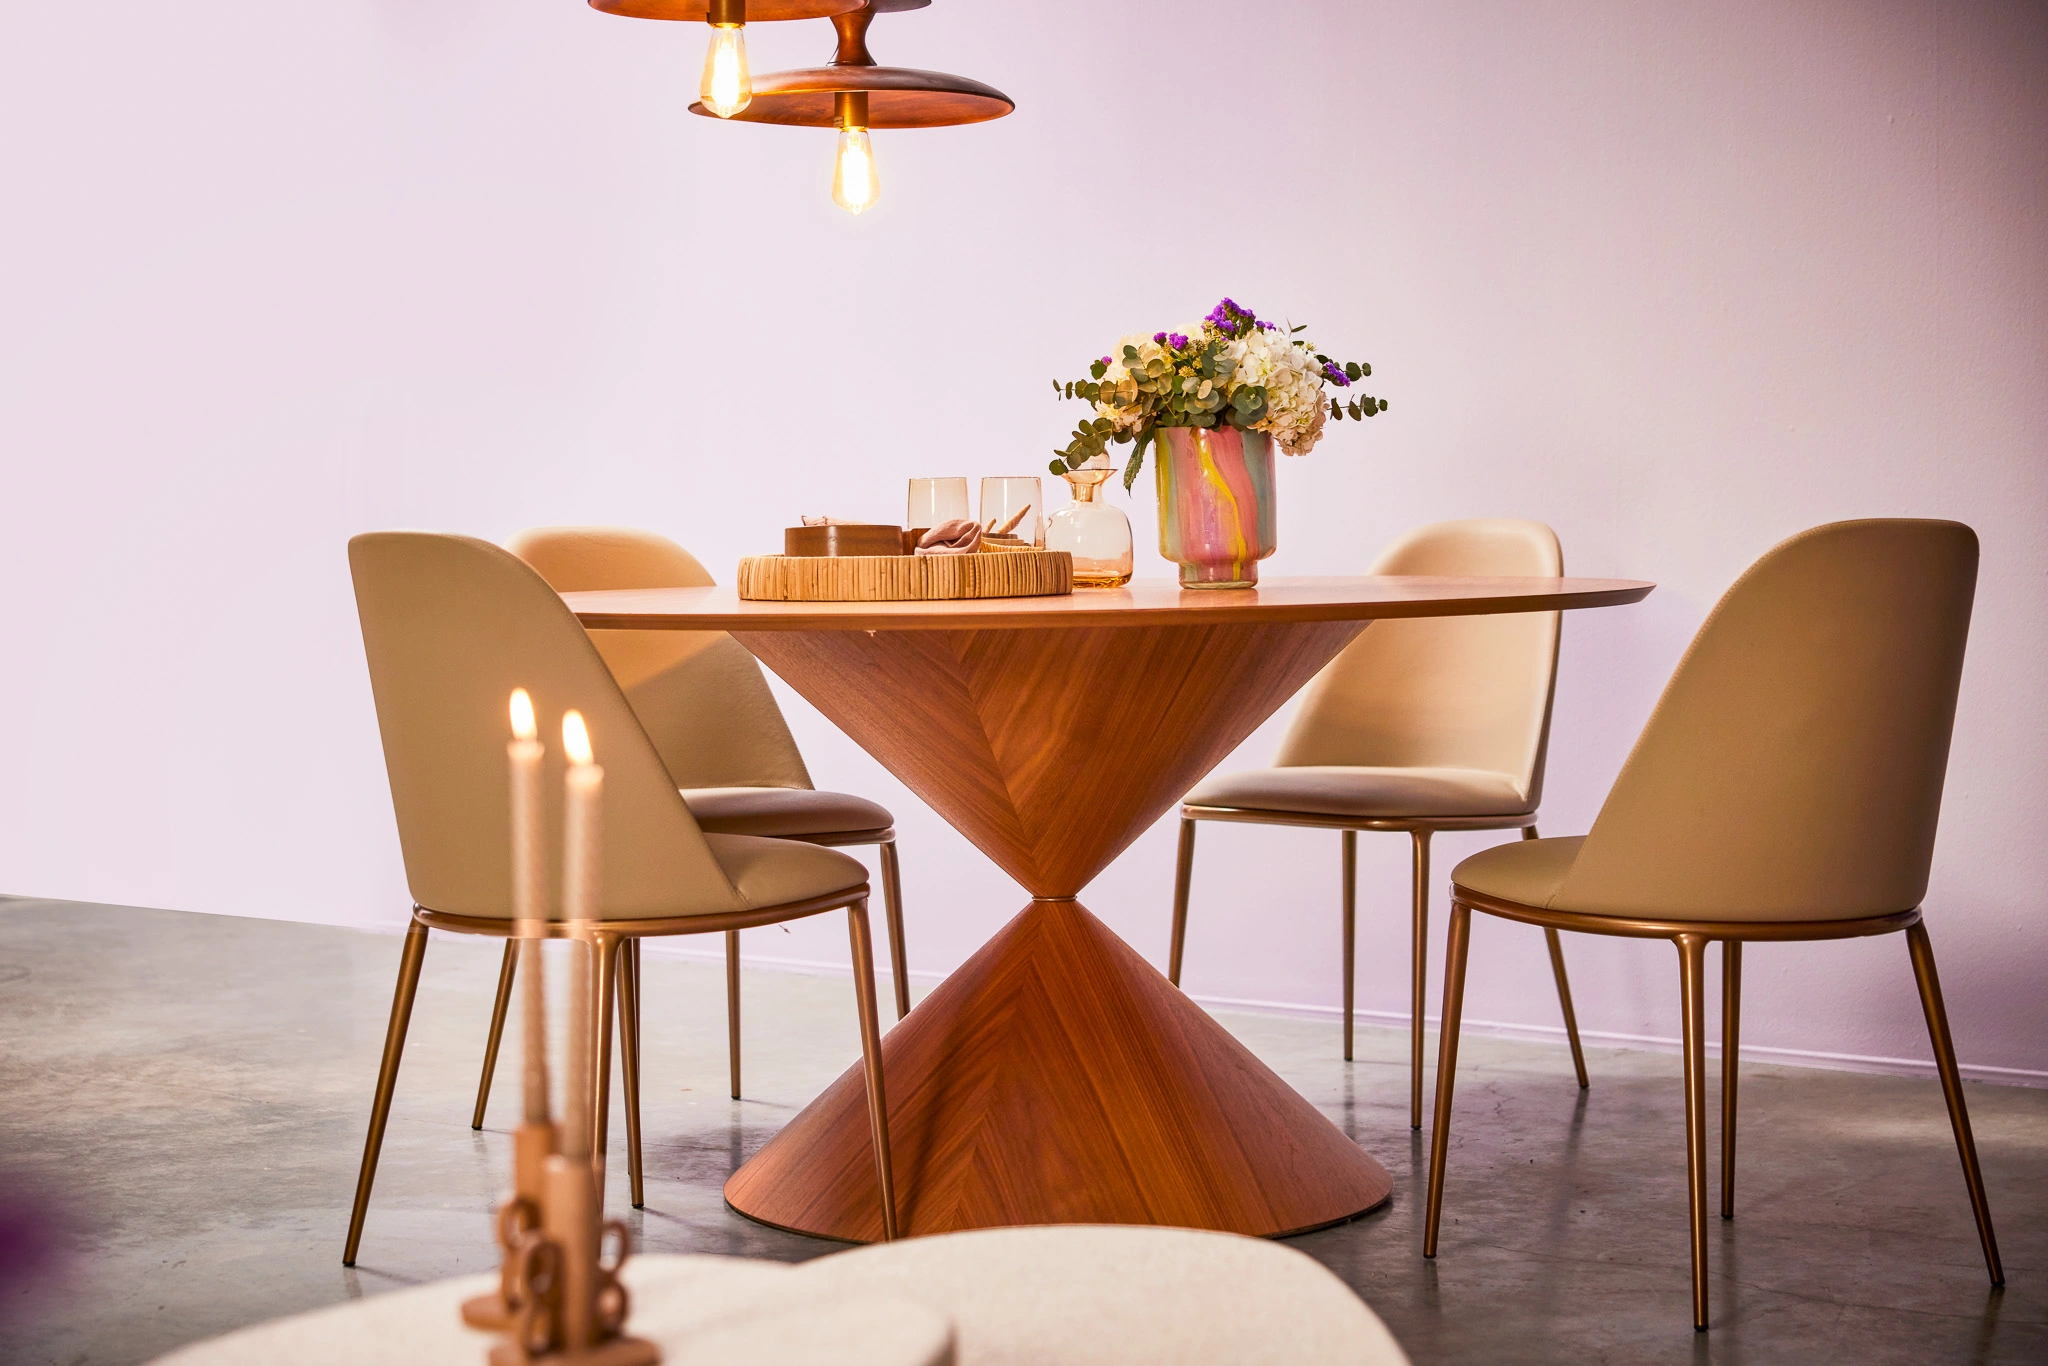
pixel 871 1060
pixel 1692 968
pixel 732 1008
pixel 892 912
pixel 606 948
pixel 1418 987
pixel 409 959
pixel 629 1061
pixel 1564 988
pixel 1350 932
pixel 1456 943
pixel 1952 1090
pixel 1183 876
pixel 506 970
pixel 1731 1048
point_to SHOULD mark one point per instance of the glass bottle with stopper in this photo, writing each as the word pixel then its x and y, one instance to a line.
pixel 1094 532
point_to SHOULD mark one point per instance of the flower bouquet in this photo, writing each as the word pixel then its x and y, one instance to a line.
pixel 1214 400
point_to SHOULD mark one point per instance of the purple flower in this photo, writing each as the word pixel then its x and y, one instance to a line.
pixel 1334 375
pixel 1107 361
pixel 1159 336
pixel 1178 341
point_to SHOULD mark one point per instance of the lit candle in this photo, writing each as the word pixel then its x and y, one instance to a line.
pixel 529 897
pixel 581 850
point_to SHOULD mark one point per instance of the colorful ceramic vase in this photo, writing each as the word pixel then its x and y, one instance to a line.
pixel 1216 515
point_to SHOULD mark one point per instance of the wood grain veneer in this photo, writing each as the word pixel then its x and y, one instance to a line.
pixel 1141 603
pixel 1058 1078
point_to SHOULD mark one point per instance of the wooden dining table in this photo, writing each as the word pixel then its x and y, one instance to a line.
pixel 1057 1076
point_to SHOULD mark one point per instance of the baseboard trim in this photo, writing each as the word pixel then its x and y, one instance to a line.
pixel 1500 1029
pixel 1657 1043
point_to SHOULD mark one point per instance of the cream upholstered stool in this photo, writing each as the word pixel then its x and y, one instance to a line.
pixel 451 625
pixel 708 710
pixel 1419 726
pixel 1787 787
pixel 701 1311
pixel 1075 1295
pixel 1120 1295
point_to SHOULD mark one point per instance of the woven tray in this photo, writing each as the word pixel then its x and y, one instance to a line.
pixel 900 578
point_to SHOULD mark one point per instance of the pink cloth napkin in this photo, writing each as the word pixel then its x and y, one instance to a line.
pixel 957 537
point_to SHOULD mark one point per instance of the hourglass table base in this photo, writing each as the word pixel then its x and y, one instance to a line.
pixel 1057 1077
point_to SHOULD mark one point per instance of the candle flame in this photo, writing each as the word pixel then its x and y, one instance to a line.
pixel 522 716
pixel 575 737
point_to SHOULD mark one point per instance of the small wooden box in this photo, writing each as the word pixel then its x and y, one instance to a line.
pixel 846 538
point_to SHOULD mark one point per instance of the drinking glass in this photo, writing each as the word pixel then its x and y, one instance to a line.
pixel 933 501
pixel 1008 499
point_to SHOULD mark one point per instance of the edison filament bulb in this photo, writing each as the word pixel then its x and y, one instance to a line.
pixel 728 86
pixel 855 187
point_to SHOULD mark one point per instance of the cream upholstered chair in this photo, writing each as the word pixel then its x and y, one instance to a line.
pixel 1425 725
pixel 451 626
pixel 704 704
pixel 1786 787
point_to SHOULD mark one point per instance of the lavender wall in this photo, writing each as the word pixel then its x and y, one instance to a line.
pixel 1678 280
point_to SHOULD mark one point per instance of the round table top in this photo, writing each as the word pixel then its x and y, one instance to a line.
pixel 1143 602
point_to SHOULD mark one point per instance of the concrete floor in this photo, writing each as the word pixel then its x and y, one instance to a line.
pixel 193 1090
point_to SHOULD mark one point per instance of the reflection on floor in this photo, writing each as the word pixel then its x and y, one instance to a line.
pixel 193 1089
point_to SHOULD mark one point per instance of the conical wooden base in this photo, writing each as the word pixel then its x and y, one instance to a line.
pixel 1057 1077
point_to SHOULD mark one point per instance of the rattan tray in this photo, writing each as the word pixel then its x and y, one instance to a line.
pixel 901 578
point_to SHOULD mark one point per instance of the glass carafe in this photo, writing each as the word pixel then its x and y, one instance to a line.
pixel 1096 534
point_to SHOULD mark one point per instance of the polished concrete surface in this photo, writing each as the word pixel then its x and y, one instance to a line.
pixel 193 1090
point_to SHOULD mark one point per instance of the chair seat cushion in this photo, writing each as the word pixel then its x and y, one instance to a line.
pixel 1372 793
pixel 1528 872
pixel 770 872
pixel 782 812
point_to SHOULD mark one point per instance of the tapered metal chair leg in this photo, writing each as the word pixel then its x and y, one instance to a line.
pixel 1457 942
pixel 1418 986
pixel 1564 1001
pixel 1350 933
pixel 871 1061
pixel 409 960
pixel 732 1008
pixel 1183 876
pixel 607 951
pixel 1552 942
pixel 1692 970
pixel 892 912
pixel 629 1061
pixel 506 971
pixel 1731 1049
pixel 1952 1089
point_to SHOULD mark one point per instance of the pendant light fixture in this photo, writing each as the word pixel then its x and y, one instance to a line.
pixel 854 95
pixel 727 86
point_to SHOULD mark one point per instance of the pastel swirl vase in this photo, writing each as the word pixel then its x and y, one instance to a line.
pixel 1216 514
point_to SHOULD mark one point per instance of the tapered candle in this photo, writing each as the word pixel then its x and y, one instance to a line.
pixel 529 897
pixel 581 851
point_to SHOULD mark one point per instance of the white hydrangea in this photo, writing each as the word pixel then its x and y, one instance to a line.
pixel 1295 410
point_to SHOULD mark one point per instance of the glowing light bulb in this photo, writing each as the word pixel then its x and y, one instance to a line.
pixel 855 186
pixel 728 86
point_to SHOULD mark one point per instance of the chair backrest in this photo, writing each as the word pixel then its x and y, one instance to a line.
pixel 1444 692
pixel 451 625
pixel 700 696
pixel 1793 768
